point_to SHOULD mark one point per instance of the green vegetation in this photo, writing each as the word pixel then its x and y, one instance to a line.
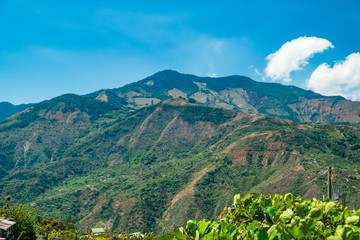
pixel 102 161
pixel 277 217
pixel 30 226
pixel 241 93
pixel 57 229
pixel 255 216
pixel 24 216
pixel 236 92
pixel 8 109
pixel 156 167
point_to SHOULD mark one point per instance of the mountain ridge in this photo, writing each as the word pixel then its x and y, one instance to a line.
pixel 235 92
pixel 241 93
pixel 157 166
pixel 145 157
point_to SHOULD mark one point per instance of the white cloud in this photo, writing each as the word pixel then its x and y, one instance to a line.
pixel 293 55
pixel 257 72
pixel 171 40
pixel 205 55
pixel 343 79
pixel 212 74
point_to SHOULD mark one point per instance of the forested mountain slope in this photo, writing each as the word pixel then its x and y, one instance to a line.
pixel 7 109
pixel 145 170
pixel 237 93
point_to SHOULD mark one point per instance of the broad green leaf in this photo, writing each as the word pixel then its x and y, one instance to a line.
pixel 233 234
pixel 352 220
pixel 346 212
pixel 236 199
pixel 356 229
pixel 271 210
pixel 329 206
pixel 286 216
pixel 262 234
pixel 202 226
pixel 295 232
pixel 272 229
pixel 315 213
pixel 319 226
pixel 178 233
pixel 357 213
pixel 347 234
pixel 289 198
pixel 273 234
pixel 333 238
pixel 336 215
pixel 211 236
pixel 310 224
pixel 248 198
pixel 303 228
pixel 350 235
pixel 299 210
pixel 327 230
pixel 254 225
pixel 191 225
pixel 197 235
pixel 339 231
pixel 356 235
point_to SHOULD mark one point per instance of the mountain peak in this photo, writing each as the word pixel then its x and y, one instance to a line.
pixel 235 92
pixel 167 76
pixel 167 71
pixel 240 93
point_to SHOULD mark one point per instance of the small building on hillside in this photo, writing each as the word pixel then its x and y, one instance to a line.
pixel 97 231
pixel 6 229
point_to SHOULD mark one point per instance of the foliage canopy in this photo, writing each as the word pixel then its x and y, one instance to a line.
pixel 277 217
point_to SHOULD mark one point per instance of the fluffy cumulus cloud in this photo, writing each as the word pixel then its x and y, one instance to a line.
pixel 293 55
pixel 342 79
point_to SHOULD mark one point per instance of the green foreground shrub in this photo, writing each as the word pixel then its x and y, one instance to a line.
pixel 277 217
pixel 24 216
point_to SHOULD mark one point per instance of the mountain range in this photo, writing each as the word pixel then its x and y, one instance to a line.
pixel 174 147
pixel 7 109
pixel 236 93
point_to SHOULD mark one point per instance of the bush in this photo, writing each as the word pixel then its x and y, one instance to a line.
pixel 277 217
pixel 24 216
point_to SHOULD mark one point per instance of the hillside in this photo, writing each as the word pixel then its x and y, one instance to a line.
pixel 145 170
pixel 7 109
pixel 237 93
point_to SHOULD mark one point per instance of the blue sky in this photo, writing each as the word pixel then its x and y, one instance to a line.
pixel 48 48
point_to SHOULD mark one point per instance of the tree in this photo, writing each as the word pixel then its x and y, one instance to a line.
pixel 24 216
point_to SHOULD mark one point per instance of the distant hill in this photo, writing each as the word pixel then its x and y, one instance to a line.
pixel 7 109
pixel 236 93
pixel 97 160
